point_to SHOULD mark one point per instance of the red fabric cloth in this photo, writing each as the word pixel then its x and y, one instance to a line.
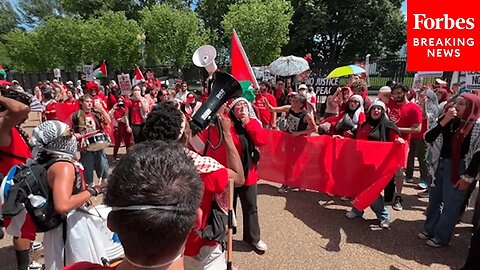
pixel 264 114
pixel 214 183
pixel 345 167
pixel 135 113
pixel 404 115
pixel 17 147
pixel 257 134
pixel 87 266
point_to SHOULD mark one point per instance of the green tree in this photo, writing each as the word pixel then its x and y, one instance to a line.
pixel 87 9
pixel 9 19
pixel 112 37
pixel 212 12
pixel 340 32
pixel 22 51
pixel 261 26
pixel 34 12
pixel 172 34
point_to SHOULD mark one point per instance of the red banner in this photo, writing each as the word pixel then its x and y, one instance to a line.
pixel 346 167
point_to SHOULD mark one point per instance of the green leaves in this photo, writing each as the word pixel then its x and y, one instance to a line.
pixel 262 27
pixel 172 34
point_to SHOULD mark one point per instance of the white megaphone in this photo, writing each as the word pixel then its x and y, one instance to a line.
pixel 205 57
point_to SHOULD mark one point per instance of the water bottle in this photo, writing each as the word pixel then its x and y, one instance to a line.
pixel 37 201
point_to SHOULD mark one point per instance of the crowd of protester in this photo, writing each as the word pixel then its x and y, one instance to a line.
pixel 440 125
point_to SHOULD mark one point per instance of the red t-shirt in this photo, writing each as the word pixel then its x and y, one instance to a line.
pixel 420 135
pixel 405 116
pixel 87 266
pixel 50 112
pixel 364 131
pixel 278 93
pixel 136 117
pixel 214 183
pixel 70 101
pixel 256 133
pixel 264 114
pixel 17 147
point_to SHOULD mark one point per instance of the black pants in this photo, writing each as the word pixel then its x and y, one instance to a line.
pixel 473 259
pixel 389 191
pixel 248 198
pixel 137 131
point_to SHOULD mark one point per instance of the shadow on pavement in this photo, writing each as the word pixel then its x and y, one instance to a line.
pixel 400 240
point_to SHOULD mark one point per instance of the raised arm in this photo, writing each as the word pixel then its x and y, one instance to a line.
pixel 12 113
pixel 284 108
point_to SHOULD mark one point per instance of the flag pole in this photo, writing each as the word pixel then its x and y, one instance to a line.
pixel 230 226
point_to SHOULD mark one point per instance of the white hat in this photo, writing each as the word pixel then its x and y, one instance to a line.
pixel 15 81
pixel 385 89
pixel 55 81
pixel 70 82
pixel 377 102
pixel 440 81
pixel 302 86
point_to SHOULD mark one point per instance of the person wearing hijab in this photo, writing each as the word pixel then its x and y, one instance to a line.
pixel 248 134
pixel 455 162
pixel 377 127
pixel 347 122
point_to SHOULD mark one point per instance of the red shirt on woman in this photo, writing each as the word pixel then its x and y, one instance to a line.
pixel 136 117
pixel 18 148
pixel 257 134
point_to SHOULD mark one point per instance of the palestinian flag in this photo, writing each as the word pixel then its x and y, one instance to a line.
pixel 3 73
pixel 101 71
pixel 138 78
pixel 241 69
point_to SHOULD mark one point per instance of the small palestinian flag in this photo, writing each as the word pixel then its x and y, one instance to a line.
pixel 3 73
pixel 138 78
pixel 241 69
pixel 101 71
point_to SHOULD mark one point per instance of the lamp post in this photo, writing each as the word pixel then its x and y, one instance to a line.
pixel 141 42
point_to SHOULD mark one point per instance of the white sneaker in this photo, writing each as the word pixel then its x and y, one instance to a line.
pixel 260 246
pixel 385 224
pixel 35 266
pixel 351 215
pixel 36 246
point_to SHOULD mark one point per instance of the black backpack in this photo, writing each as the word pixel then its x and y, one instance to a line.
pixel 32 179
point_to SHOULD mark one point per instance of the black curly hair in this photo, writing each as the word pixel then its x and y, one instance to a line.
pixel 163 123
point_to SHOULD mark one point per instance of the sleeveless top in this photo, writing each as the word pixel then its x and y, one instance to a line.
pixel 296 121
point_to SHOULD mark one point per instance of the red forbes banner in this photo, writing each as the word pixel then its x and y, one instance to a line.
pixel 443 35
pixel 346 167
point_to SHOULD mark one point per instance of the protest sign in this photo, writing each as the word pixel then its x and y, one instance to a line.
pixel 323 86
pixel 472 80
pixel 88 70
pixel 57 73
pixel 125 84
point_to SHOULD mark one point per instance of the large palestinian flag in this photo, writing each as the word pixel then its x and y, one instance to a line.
pixel 241 69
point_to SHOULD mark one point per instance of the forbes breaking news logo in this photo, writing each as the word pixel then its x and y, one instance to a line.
pixel 441 40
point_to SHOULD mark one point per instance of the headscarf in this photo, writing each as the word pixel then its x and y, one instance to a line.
pixel 248 147
pixel 380 126
pixel 349 122
pixel 443 95
pixel 469 117
pixel 53 137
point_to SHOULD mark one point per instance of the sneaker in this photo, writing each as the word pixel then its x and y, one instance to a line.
pixel 344 198
pixel 385 224
pixel 283 189
pixel 397 205
pixel 351 215
pixel 434 243
pixel 409 180
pixel 35 266
pixel 36 246
pixel 423 184
pixel 424 194
pixel 260 246
pixel 423 235
pixel 330 195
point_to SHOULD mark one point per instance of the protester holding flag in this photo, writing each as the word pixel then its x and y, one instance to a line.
pixel 377 128
pixel 455 162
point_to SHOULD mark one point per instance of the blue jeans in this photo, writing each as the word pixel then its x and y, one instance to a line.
pixel 378 207
pixel 444 203
pixel 94 161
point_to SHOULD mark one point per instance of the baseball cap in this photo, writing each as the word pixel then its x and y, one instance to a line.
pixel 302 86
